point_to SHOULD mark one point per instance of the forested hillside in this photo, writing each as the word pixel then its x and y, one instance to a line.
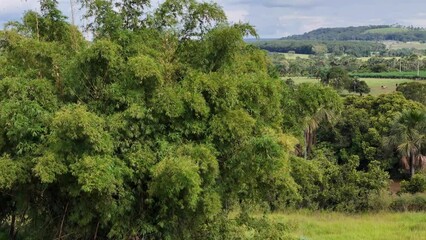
pixel 167 125
pixel 353 48
pixel 355 41
pixel 364 33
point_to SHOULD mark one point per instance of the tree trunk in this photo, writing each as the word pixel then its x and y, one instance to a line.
pixel 62 222
pixel 96 231
pixel 411 165
pixel 305 152
pixel 311 141
pixel 308 142
pixel 12 232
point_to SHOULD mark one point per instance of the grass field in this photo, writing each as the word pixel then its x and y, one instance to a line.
pixel 292 56
pixel 393 45
pixel 365 59
pixel 339 226
pixel 374 83
pixel 396 75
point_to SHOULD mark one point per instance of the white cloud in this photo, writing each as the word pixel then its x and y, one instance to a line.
pixel 235 16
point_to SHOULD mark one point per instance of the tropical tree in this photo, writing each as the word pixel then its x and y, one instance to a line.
pixel 312 124
pixel 408 135
pixel 309 106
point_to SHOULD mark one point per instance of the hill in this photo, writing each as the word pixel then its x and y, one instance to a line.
pixel 364 33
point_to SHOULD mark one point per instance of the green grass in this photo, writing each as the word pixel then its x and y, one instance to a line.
pixel 365 59
pixel 299 80
pixel 392 45
pixel 375 84
pixel 411 75
pixel 291 56
pixel 339 226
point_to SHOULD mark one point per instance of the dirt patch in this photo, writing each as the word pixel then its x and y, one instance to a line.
pixel 395 186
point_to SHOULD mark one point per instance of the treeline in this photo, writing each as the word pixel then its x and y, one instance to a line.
pixel 354 48
pixel 165 129
pixel 364 33
pixel 405 67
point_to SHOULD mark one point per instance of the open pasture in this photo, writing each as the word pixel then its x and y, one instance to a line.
pixel 392 45
pixel 340 226
pixel 377 85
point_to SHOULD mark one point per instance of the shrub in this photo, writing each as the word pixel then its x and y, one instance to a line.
pixel 326 184
pixel 245 227
pixel 308 176
pixel 264 228
pixel 417 184
pixel 380 201
pixel 409 202
pixel 348 189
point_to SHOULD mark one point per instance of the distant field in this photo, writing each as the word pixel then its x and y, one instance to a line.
pixel 374 83
pixel 299 80
pixel 291 56
pixel 306 56
pixel 339 226
pixel 399 45
pixel 294 56
pixel 387 58
pixel 386 30
pixel 407 75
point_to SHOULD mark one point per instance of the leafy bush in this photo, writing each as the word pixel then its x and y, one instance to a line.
pixel 380 201
pixel 309 177
pixel 266 229
pixel 245 227
pixel 414 91
pixel 409 202
pixel 417 184
pixel 326 184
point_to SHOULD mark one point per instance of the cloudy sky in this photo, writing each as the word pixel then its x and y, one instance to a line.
pixel 278 18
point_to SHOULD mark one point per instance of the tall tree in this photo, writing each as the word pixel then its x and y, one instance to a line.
pixel 310 106
pixel 408 135
pixel 414 91
pixel 358 86
pixel 336 77
pixel 188 18
pixel 132 12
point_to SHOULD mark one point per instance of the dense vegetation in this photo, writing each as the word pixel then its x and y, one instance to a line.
pixel 382 40
pixel 169 126
pixel 355 48
pixel 364 33
pixel 415 91
pixel 409 67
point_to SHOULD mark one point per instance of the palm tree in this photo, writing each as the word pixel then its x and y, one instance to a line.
pixel 312 123
pixel 408 135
